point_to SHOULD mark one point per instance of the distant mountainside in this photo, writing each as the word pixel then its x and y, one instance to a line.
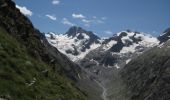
pixel 147 77
pixel 30 68
pixel 121 47
pixel 105 57
pixel 76 43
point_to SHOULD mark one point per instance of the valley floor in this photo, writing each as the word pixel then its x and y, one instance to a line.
pixel 106 86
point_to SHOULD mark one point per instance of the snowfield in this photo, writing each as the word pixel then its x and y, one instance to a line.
pixel 75 47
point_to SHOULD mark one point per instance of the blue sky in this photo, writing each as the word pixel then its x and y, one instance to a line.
pixel 104 17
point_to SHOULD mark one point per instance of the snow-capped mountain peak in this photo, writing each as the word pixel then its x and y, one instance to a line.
pixel 75 43
pixel 128 41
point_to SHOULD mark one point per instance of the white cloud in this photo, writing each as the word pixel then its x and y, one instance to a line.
pixel 86 21
pixel 89 22
pixel 52 17
pixel 65 21
pixel 24 10
pixel 80 16
pixel 108 32
pixel 55 2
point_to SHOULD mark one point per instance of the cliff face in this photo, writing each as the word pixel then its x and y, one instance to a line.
pixel 30 68
pixel 148 76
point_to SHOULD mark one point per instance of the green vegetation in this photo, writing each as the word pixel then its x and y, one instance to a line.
pixel 25 78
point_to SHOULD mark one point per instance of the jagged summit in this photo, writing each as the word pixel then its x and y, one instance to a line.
pixel 81 33
pixel 164 36
pixel 75 43
pixel 74 30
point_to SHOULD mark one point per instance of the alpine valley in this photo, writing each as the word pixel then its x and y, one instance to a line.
pixel 104 59
pixel 79 65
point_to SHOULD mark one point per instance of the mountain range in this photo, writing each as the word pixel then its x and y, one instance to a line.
pixel 79 65
pixel 103 59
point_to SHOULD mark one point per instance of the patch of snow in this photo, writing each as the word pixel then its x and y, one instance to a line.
pixel 130 49
pixel 77 34
pixel 95 61
pixel 147 40
pixel 117 66
pixel 109 45
pixel 162 34
pixel 126 38
pixel 85 36
pixel 109 66
pixel 161 45
pixel 127 61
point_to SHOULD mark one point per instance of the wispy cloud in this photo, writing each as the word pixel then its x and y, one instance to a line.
pixel 94 17
pixel 24 10
pixel 100 21
pixel 93 20
pixel 55 2
pixel 65 21
pixel 79 16
pixel 104 18
pixel 86 21
pixel 108 32
pixel 87 25
pixel 52 17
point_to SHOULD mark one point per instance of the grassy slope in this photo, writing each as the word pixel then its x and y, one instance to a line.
pixel 18 70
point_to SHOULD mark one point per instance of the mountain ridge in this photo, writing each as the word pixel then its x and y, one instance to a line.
pixel 78 42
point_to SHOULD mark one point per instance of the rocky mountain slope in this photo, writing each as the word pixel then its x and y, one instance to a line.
pixel 105 62
pixel 147 77
pixel 30 68
pixel 121 46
